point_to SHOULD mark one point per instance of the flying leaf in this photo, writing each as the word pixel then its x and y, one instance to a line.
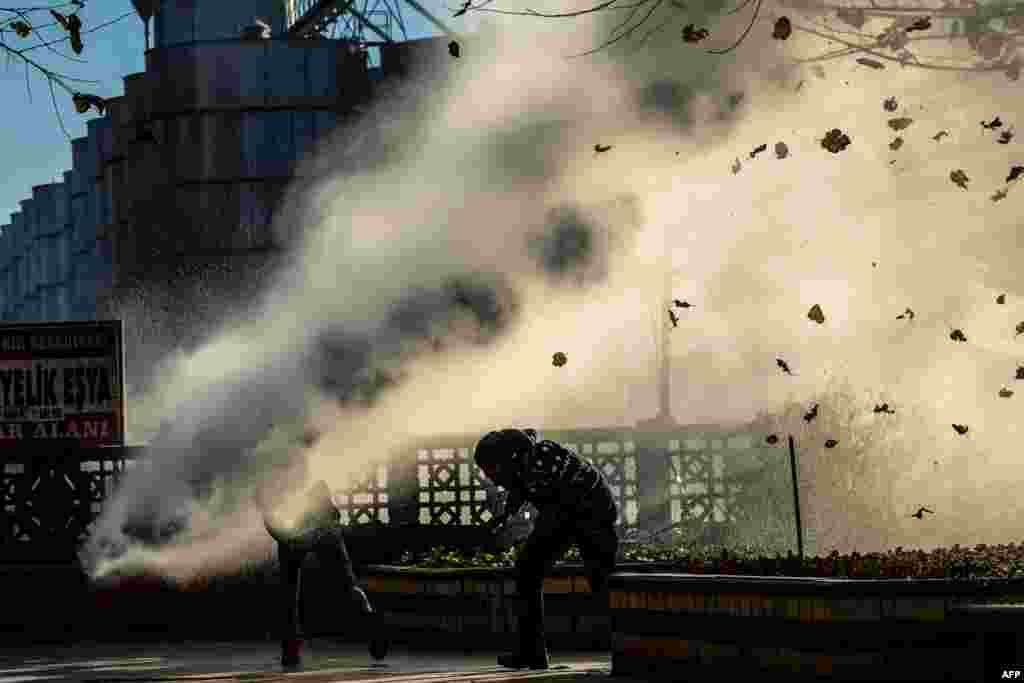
pixel 785 366
pixel 1020 329
pixel 889 104
pixel 835 141
pixel 453 49
pixel 884 408
pixel 1015 172
pixel 781 150
pixel 908 314
pixel 960 429
pixel 757 150
pixel 783 29
pixel 941 134
pixel 816 314
pixel 812 413
pixel 692 34
pixel 998 195
pixel 601 149
pixel 1001 299
pixel 922 24
pixel 831 443
pixel 1005 393
pixel 1005 137
pixel 559 359
pixel 993 124
pixel 900 123
pixel 874 64
pixel 21 28
pixel 736 166
pixel 772 439
pixel 958 336
pixel 1020 372
pixel 84 101
pixel 896 143
pixel 959 178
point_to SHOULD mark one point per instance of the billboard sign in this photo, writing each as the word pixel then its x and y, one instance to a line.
pixel 62 382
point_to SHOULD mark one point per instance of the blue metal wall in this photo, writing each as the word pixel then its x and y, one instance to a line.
pixel 187 21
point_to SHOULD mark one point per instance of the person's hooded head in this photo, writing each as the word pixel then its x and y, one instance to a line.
pixel 499 453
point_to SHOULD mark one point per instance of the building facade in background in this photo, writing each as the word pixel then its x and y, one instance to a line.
pixel 165 219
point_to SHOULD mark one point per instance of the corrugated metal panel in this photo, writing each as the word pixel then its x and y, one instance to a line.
pixel 79 151
pixel 219 74
pixel 304 126
pixel 30 256
pixel 174 22
pixel 287 73
pixel 253 78
pixel 322 65
pixel 83 230
pixel 104 263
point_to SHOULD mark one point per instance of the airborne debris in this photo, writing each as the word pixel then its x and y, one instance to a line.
pixel 941 134
pixel 681 304
pixel 889 104
pixel 959 178
pixel 993 124
pixel 874 64
pixel 960 429
pixel 599 148
pixel 1015 172
pixel 772 439
pixel 908 314
pixel 1020 372
pixel 453 49
pixel 1005 393
pixel 463 9
pixel 785 367
pixel 84 101
pixel 1005 137
pixel 900 123
pixel 559 359
pixel 812 413
pixel 835 141
pixel 884 408
pixel 783 29
pixel 757 150
pixel 672 316
pixel 922 24
pixel 1001 299
pixel 920 513
pixel 1020 329
pixel 958 336
pixel 816 314
pixel 781 150
pixel 831 443
pixel 999 195
pixel 896 143
pixel 692 34
pixel 736 166
pixel 21 28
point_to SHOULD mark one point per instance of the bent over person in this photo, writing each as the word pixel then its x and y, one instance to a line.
pixel 319 531
pixel 576 506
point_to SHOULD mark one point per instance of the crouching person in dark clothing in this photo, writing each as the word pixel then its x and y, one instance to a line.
pixel 576 506
pixel 318 531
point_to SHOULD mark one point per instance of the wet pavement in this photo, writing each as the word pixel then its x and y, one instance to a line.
pixel 324 661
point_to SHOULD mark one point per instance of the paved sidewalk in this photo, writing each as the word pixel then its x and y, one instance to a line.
pixel 324 661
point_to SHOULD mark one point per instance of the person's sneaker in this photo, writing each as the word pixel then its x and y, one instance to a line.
pixel 515 660
pixel 291 652
pixel 379 641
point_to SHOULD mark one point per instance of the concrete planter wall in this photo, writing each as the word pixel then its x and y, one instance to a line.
pixel 820 629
